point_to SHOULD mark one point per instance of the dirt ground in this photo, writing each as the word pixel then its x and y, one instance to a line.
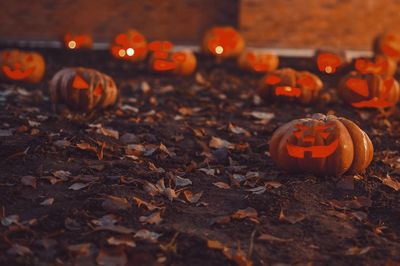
pixel 153 181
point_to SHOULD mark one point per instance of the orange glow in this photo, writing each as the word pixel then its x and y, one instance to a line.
pixel 391 45
pixel 79 83
pixel 17 73
pixel 98 91
pixel 225 39
pixel 272 80
pixel 78 41
pixel 359 86
pixel 316 151
pixel 307 81
pixel 328 62
pixel 287 91
pixel 164 59
pixel 130 46
pixel 260 63
pixel 365 66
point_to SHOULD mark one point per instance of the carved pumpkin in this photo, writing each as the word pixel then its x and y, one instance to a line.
pixel 223 42
pixel 388 44
pixel 18 65
pixel 379 64
pixel 322 145
pixel 258 62
pixel 329 62
pixel 82 89
pixel 290 85
pixel 80 41
pixel 369 90
pixel 130 45
pixel 182 63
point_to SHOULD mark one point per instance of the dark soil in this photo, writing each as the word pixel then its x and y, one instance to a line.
pixel 303 220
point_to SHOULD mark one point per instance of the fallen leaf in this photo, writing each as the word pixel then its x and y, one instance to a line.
pixel 113 203
pixel 222 185
pixel 78 186
pixel 192 198
pixel 62 143
pixel 61 174
pixel 47 202
pixel 19 250
pixel 154 218
pixel 106 220
pixel 220 143
pixel 390 182
pixel 83 249
pixel 118 241
pixel 271 238
pixel 238 130
pixel 181 182
pixel 29 180
pixel 149 206
pixel 249 213
pixel 292 218
pixel 165 149
pixel 108 132
pixel 112 257
pixel 355 251
pixel 147 235
pixel 11 219
pixel 215 244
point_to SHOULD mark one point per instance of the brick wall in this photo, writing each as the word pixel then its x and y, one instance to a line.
pixel 178 20
pixel 317 23
pixel 273 23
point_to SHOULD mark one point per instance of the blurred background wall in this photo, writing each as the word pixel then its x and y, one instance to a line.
pixel 272 23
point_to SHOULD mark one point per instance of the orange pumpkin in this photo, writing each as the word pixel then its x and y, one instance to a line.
pixel 18 65
pixel 322 145
pixel 329 62
pixel 82 89
pixel 369 90
pixel 290 85
pixel 130 45
pixel 258 62
pixel 388 44
pixel 379 64
pixel 181 63
pixel 223 42
pixel 78 41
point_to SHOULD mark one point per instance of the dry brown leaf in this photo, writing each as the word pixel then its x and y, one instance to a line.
pixel 112 257
pixel 271 238
pixel 149 206
pixel 108 132
pixel 154 218
pixel 19 250
pixel 117 241
pixel 355 251
pixel 113 203
pixel 83 249
pixel 87 147
pixel 292 218
pixel 147 235
pixel 78 186
pixel 192 198
pixel 215 244
pixel 165 149
pixel 390 182
pixel 218 143
pixel 47 202
pixel 222 185
pixel 29 180
pixel 238 130
pixel 249 213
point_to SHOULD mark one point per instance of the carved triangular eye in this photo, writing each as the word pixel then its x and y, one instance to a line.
pixel 272 79
pixel 359 86
pixel 79 83
pixel 98 90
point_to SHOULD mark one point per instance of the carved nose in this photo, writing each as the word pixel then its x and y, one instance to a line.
pixel 309 138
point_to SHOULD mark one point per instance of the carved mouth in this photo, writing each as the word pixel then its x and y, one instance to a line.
pixel 17 74
pixel 373 103
pixel 162 65
pixel 315 151
pixel 287 91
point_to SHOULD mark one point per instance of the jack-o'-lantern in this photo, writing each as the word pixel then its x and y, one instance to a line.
pixel 290 85
pixel 223 42
pixel 163 59
pixel 329 62
pixel 369 90
pixel 130 45
pixel 78 41
pixel 82 89
pixel 258 62
pixel 18 65
pixel 388 44
pixel 379 64
pixel 322 145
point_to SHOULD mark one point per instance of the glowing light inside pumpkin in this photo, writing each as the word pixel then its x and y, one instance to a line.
pixel 121 53
pixel 328 69
pixel 71 44
pixel 219 49
pixel 130 51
